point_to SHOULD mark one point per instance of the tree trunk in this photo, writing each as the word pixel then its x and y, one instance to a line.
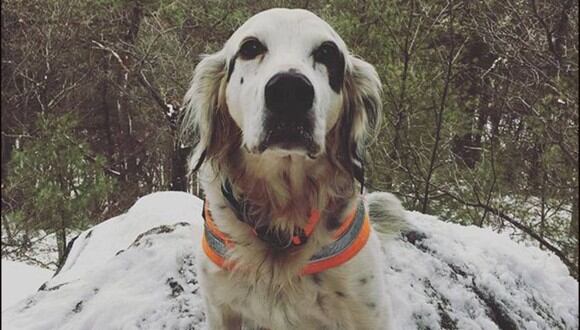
pixel 132 24
pixel 439 120
pixel 106 111
pixel 179 168
pixel 574 234
pixel 61 244
pixel 6 225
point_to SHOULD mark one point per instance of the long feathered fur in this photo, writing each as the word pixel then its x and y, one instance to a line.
pixel 280 193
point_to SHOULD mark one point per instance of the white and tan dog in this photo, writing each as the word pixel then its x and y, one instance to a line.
pixel 281 114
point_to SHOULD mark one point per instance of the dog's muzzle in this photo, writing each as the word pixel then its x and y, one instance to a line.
pixel 289 119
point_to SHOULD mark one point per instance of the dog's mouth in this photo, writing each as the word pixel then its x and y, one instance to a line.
pixel 289 137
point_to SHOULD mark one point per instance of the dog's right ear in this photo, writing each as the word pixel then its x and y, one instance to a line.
pixel 206 114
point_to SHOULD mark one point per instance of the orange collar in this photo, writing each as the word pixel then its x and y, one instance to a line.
pixel 349 239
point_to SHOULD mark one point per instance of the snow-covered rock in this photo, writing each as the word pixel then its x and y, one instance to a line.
pixel 136 271
pixel 20 280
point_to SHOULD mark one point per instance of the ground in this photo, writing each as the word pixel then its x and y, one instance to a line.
pixel 20 280
pixel 136 271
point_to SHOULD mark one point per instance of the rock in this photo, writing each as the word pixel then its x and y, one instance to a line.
pixel 137 271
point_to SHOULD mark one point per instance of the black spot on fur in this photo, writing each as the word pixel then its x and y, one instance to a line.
pixel 329 55
pixel 231 67
pixel 242 81
pixel 317 279
pixel 333 223
pixel 340 294
pixel 334 217
pixel 336 75
pixel 363 280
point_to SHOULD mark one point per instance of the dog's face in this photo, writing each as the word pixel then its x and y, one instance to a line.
pixel 287 82
pixel 284 81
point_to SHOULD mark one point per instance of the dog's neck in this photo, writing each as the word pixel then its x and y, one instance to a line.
pixel 282 190
pixel 280 193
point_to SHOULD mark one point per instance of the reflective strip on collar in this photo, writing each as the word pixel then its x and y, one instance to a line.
pixel 217 245
pixel 334 248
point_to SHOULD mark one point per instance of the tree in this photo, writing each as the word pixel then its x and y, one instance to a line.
pixel 480 98
pixel 55 181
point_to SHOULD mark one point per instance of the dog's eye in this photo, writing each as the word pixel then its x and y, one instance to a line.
pixel 251 48
pixel 327 53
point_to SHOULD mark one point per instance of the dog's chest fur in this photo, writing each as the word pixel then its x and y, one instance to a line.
pixel 266 290
pixel 347 297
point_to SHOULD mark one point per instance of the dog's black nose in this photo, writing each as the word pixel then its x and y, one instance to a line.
pixel 289 94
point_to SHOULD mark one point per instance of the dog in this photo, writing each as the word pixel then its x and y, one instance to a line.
pixel 281 114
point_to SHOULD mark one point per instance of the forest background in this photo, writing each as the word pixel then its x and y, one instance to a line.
pixel 480 124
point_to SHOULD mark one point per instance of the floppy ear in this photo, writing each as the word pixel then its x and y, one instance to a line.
pixel 364 90
pixel 361 113
pixel 206 114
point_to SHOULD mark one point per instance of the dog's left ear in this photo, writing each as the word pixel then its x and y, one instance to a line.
pixel 362 109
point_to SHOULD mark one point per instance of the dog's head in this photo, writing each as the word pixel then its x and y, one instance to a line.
pixel 284 83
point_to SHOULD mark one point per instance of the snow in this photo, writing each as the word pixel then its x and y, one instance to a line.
pixel 472 273
pixel 119 232
pixel 136 271
pixel 20 280
pixel 43 250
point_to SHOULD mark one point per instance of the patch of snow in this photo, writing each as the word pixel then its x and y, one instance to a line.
pixel 467 277
pixel 136 271
pixel 20 280
pixel 43 250
pixel 119 232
